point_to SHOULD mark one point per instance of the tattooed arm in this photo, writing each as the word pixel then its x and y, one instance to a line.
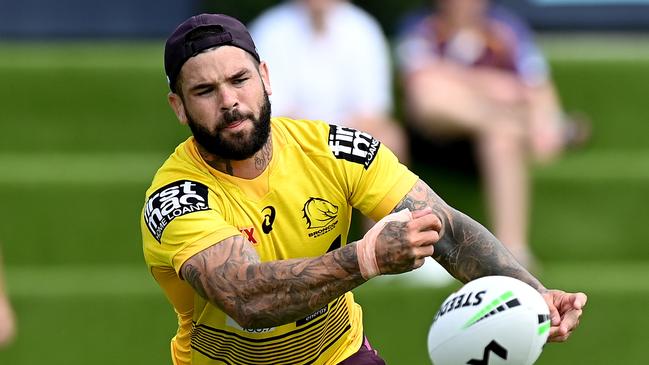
pixel 256 295
pixel 466 249
pixel 469 251
pixel 231 276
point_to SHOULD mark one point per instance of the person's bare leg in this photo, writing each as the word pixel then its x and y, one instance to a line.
pixel 502 157
pixel 493 108
pixel 7 318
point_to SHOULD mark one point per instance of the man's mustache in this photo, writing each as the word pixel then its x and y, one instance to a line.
pixel 234 115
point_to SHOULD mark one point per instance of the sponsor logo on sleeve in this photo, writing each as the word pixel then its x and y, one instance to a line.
pixel 171 201
pixel 352 145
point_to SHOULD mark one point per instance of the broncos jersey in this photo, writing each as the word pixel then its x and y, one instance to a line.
pixel 299 207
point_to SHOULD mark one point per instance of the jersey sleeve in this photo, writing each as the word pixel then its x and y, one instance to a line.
pixel 376 180
pixel 179 220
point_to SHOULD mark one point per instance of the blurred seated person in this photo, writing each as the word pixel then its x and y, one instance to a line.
pixel 7 320
pixel 472 72
pixel 330 61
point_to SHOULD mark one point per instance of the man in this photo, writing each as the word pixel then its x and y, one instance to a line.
pixel 473 77
pixel 245 225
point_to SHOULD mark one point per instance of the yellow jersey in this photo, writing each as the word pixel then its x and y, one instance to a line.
pixel 300 206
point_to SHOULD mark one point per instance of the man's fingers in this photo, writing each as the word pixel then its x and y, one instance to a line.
pixel 568 323
pixel 555 316
pixel 580 300
pixel 424 238
pixel 420 213
pixel 418 263
pixel 556 335
pixel 423 251
pixel 570 320
pixel 426 220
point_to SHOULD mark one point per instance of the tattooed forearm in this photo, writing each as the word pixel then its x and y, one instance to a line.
pixel 267 294
pixel 466 249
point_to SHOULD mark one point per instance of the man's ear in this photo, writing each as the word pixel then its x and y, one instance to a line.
pixel 265 77
pixel 176 103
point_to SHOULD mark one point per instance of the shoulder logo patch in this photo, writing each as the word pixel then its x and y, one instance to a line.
pixel 352 145
pixel 171 201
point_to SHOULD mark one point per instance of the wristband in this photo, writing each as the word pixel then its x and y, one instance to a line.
pixel 366 246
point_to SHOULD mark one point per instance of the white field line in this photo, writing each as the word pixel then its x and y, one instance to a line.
pixel 598 166
pixel 138 168
pixel 86 168
pixel 607 278
pixel 65 281
pixel 79 55
pixel 566 46
pixel 597 47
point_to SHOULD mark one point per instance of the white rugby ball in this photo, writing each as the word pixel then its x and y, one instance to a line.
pixel 493 320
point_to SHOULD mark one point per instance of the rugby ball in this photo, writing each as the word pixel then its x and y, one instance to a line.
pixel 493 320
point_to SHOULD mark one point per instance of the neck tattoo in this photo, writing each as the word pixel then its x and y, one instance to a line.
pixel 263 156
pixel 261 159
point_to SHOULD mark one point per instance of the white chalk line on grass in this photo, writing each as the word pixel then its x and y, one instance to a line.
pixel 65 281
pixel 138 168
pixel 84 168
pixel 606 278
pixel 594 47
pixel 559 46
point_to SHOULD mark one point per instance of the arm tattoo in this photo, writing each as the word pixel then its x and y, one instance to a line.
pixel 231 276
pixel 193 276
pixel 465 248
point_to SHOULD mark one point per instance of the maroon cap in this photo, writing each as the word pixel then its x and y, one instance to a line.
pixel 183 43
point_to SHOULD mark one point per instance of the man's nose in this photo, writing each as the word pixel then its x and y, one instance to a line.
pixel 229 98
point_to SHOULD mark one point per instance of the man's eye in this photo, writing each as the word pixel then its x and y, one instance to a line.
pixel 204 91
pixel 240 80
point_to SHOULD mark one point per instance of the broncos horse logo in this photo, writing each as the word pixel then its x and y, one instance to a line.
pixel 319 212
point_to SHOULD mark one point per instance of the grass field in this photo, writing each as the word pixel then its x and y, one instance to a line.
pixel 85 126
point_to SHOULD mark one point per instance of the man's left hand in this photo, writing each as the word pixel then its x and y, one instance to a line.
pixel 565 311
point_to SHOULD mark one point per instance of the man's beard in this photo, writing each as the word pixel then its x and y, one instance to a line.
pixel 238 146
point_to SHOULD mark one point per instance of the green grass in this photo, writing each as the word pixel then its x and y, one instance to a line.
pixel 84 126
pixel 116 314
pixel 117 329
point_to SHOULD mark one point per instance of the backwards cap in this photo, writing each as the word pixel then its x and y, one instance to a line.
pixel 221 30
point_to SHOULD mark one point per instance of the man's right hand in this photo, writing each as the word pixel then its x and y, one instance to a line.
pixel 403 246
